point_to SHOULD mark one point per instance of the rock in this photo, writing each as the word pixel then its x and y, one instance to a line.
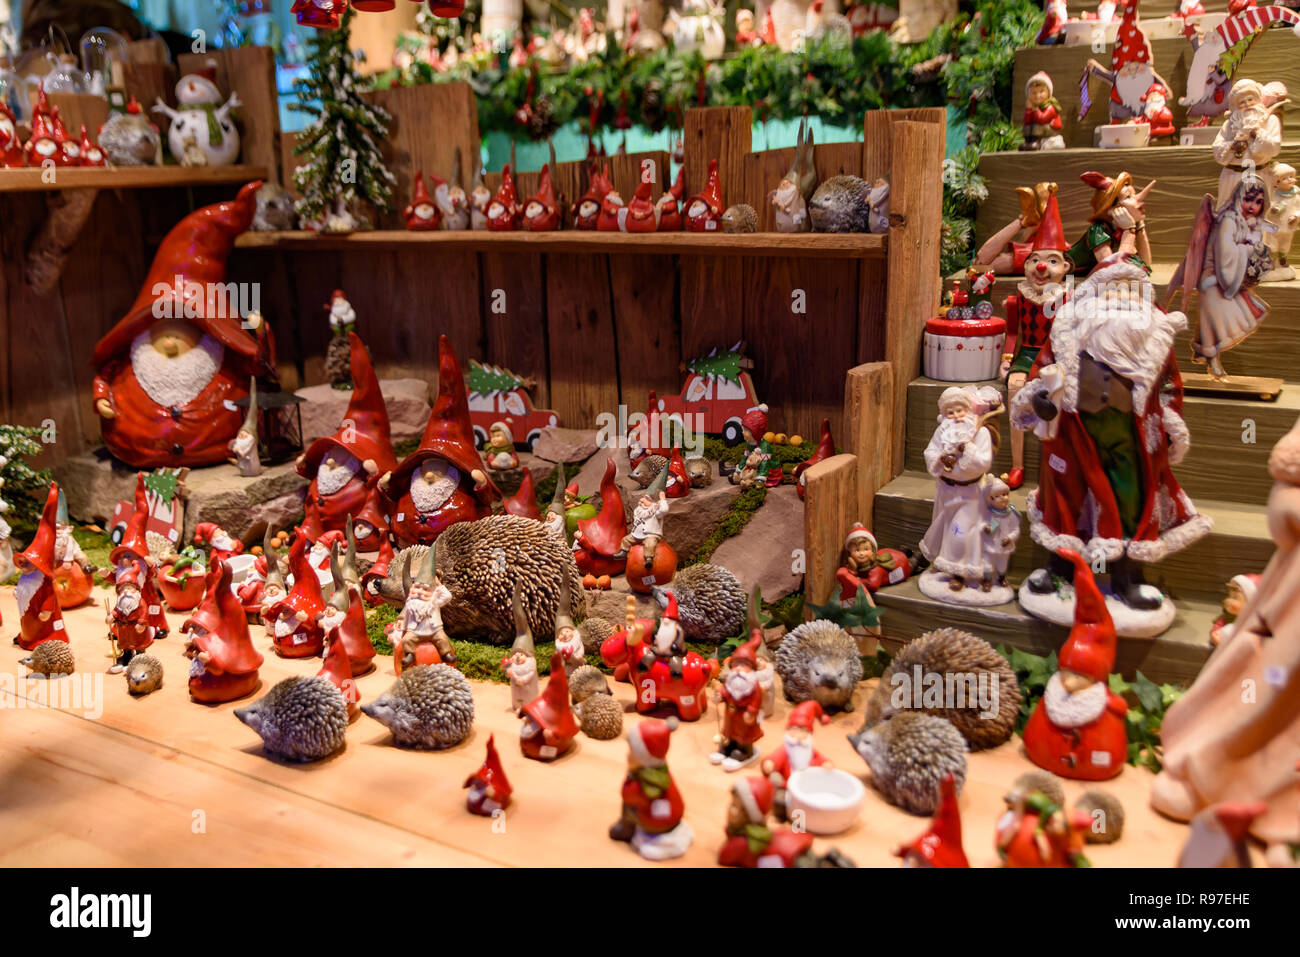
pixel 558 444
pixel 588 477
pixel 692 519
pixel 324 406
pixel 762 554
pixel 612 602
pixel 95 483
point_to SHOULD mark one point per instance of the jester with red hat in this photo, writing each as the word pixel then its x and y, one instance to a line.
pixel 442 482
pixel 1077 730
pixel 345 468
pixel 136 619
pixel 651 819
pixel 172 370
pixel 223 662
pixel 741 696
pixel 549 725
pixel 38 603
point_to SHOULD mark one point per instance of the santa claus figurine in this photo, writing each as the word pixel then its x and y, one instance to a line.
pixel 1155 111
pixel 742 699
pixel 1077 730
pixel 422 214
pixel 345 468
pixel 128 620
pixel 796 751
pixel 940 846
pixel 44 145
pixel 442 482
pixel 1057 13
pixel 668 210
pixel 651 820
pixel 549 725
pixel 220 543
pixel 703 212
pixel 489 788
pixel 750 842
pixel 91 154
pixel 296 629
pixel 38 606
pixel 171 371
pixel 642 213
pixel 223 661
pixel 131 558
pixel 1131 71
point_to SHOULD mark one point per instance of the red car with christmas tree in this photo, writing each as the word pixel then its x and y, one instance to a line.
pixel 717 393
pixel 498 395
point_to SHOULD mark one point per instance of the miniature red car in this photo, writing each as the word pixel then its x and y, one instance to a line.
pixel 510 404
pixel 711 404
pixel 656 684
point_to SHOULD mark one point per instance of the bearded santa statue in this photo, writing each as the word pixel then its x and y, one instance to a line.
pixel 1077 730
pixel 38 604
pixel 443 481
pixel 345 467
pixel 223 661
pixel 796 751
pixel 742 700
pixel 1131 72
pixel 171 371
pixel 132 561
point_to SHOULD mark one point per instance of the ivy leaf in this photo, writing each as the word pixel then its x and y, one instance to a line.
pixel 861 614
pixel 1148 694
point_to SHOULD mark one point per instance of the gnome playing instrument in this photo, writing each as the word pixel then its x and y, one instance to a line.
pixel 940 846
pixel 742 698
pixel 1077 730
pixel 443 481
pixel 1131 71
pixel 243 447
pixel 166 387
pixel 296 630
pixel 651 817
pixel 549 725
pixel 423 214
pixel 489 789
pixel 520 666
pixel 38 606
pixel 223 661
pixel 345 468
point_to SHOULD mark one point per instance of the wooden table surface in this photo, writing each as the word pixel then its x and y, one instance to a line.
pixel 161 780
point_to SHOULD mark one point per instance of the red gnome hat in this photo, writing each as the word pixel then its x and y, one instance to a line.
pixel 604 533
pixel 509 200
pixel 681 485
pixel 648 741
pixel 1131 45
pixel 421 197
pixel 551 709
pixel 134 544
pixel 1050 236
pixel 39 555
pixel 755 420
pixel 641 211
pixel 747 654
pixel 1091 647
pixel 337 669
pixel 225 626
pixel 86 149
pixel 196 250
pixel 492 774
pixel 523 502
pixel 598 187
pixel 305 595
pixel 756 796
pixel 940 846
pixel 364 432
pixel 825 449
pixel 711 196
pixel 549 218
pixel 807 715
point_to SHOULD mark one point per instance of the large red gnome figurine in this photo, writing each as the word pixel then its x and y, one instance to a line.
pixel 345 467
pixel 549 725
pixel 38 604
pixel 443 481
pixel 172 370
pixel 223 660
pixel 1077 730
pixel 296 626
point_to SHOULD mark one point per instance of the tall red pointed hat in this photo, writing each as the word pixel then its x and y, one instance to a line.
pixel 421 194
pixel 605 532
pixel 225 625
pixel 196 249
pixel 1050 235
pixel 337 668
pixel 940 846
pixel 39 555
pixel 524 501
pixel 712 192
pixel 551 709
pixel 1091 647
pixel 305 595
pixel 598 185
pixel 449 434
pixel 364 431
pixel 492 773
pixel 134 543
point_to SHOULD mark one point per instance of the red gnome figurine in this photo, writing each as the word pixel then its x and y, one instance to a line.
pixel 1077 730
pixel 38 603
pixel 223 660
pixel 422 215
pixel 587 209
pixel 825 449
pixel 652 806
pixel 220 543
pixel 168 381
pixel 503 212
pixel 131 559
pixel 11 147
pixel 337 669
pixel 343 621
pixel 642 213
pixel 940 846
pixel 613 213
pixel 549 725
pixel 668 209
pixel 796 751
pixel 489 788
pixel 443 481
pixel 524 501
pixel 704 209
pixel 91 154
pixel 345 468
pixel 742 699
pixel 597 540
pixel 542 211
pixel 296 629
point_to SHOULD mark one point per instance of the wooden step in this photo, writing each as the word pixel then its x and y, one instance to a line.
pixel 1239 542
pixel 1270 351
pixel 1183 175
pixel 1272 57
pixel 1176 656
pixel 1220 465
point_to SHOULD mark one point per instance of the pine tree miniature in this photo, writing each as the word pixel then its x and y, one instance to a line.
pixel 724 365
pixel 23 487
pixel 489 380
pixel 343 163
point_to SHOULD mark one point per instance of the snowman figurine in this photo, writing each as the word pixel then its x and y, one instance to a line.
pixel 202 132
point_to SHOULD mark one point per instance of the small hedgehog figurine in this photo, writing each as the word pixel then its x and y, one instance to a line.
pixel 144 675
pixel 842 204
pixel 819 661
pixel 741 218
pixel 909 755
pixel 299 719
pixel 429 707
pixel 51 659
pixel 710 602
pixel 600 717
pixel 1106 814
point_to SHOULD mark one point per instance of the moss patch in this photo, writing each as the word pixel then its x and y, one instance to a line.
pixel 785 454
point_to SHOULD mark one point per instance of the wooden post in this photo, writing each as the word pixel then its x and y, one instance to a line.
pixel 80 109
pixel 868 416
pixel 830 504
pixel 250 72
pixel 914 283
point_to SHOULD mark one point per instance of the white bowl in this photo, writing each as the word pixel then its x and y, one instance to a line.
pixel 829 798
pixel 239 566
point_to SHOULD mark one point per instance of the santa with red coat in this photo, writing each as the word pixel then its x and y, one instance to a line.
pixel 345 467
pixel 651 820
pixel 1156 112
pixel 742 700
pixel 796 751
pixel 443 481
pixel 129 619
pixel 750 842
pixel 172 370
pixel 1077 730
pixel 38 605
pixel 223 661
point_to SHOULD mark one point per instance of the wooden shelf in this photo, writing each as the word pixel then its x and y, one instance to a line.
pixel 806 245
pixel 126 177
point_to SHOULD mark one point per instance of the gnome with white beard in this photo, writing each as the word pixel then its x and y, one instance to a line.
pixel 171 371
pixel 521 666
pixel 1131 71
pixel 38 605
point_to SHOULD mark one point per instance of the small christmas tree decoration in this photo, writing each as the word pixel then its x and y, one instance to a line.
pixel 703 212
pixel 202 131
pixel 341 146
pixel 422 214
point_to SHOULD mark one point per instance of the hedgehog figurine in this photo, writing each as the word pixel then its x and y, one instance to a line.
pixel 429 706
pixel 841 204
pixel 144 675
pixel 648 469
pixel 600 717
pixel 699 471
pixel 985 685
pixel 299 719
pixel 710 602
pixel 1107 816
pixel 51 658
pixel 275 211
pixel 585 682
pixel 1044 782
pixel 594 631
pixel 741 218
pixel 819 661
pixel 909 755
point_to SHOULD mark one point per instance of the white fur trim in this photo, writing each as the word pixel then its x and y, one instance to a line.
pixel 1180 437
pixel 741 790
pixel 636 744
pixel 1171 541
pixel 175 382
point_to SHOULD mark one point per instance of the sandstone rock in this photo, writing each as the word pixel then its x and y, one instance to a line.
pixel 588 477
pixel 558 444
pixel 407 401
pixel 762 554
pixel 612 603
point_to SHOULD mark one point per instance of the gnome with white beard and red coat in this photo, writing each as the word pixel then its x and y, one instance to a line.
pixel 168 380
pixel 38 604
pixel 1131 72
